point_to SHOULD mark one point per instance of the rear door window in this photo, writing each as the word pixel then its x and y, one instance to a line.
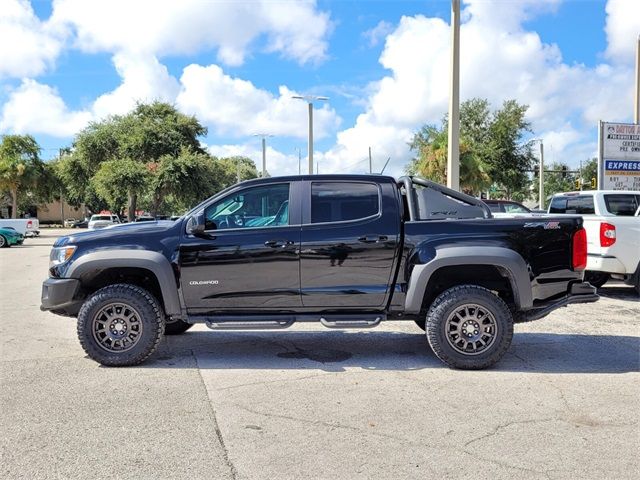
pixel 581 205
pixel 623 205
pixel 343 201
pixel 558 205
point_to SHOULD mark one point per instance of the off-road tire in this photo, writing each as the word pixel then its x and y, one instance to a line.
pixel 151 318
pixel 597 279
pixel 176 327
pixel 446 304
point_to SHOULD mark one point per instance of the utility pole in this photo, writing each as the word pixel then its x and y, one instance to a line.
pixel 264 151
pixel 61 196
pixel 310 99
pixel 541 175
pixel 636 106
pixel 370 164
pixel 453 146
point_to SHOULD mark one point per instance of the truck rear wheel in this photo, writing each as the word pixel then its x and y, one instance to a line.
pixel 176 326
pixel 120 325
pixel 597 279
pixel 468 327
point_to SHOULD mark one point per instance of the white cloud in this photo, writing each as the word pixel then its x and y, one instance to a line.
pixel 295 30
pixel 27 45
pixel 378 33
pixel 38 109
pixel 622 28
pixel 500 60
pixel 144 79
pixel 278 163
pixel 236 107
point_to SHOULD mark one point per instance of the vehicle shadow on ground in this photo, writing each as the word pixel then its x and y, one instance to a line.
pixel 620 292
pixel 336 351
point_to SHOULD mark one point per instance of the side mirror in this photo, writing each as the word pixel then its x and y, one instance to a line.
pixel 196 226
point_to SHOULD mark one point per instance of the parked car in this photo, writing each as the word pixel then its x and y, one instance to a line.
pixel 81 224
pixel 509 208
pixel 145 218
pixel 9 236
pixel 613 232
pixel 346 251
pixel 102 221
pixel 29 227
pixel 69 222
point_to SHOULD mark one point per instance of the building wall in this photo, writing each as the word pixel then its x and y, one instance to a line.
pixel 50 212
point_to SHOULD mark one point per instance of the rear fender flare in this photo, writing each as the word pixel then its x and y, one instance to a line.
pixel 92 263
pixel 509 261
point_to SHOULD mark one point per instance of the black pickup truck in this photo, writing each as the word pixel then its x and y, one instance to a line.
pixel 341 250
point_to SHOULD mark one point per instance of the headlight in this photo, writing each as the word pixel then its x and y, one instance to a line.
pixel 59 255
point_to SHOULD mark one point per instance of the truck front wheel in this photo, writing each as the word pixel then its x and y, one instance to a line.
pixel 468 327
pixel 120 325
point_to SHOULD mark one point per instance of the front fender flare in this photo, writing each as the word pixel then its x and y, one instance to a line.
pixel 155 262
pixel 508 260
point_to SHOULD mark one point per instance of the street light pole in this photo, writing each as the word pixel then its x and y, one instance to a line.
pixel 636 107
pixel 264 151
pixel 540 174
pixel 310 99
pixel 453 144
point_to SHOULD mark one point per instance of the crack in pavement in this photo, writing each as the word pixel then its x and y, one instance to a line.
pixel 216 427
pixel 391 437
pixel 507 425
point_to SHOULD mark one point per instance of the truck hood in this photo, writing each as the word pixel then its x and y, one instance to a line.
pixel 116 233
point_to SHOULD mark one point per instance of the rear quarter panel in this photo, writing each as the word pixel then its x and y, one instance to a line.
pixel 545 244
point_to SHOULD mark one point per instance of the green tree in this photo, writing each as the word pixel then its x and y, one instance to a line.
pixel 506 154
pixel 20 166
pixel 590 170
pixel 146 134
pixel 491 148
pixel 237 169
pixel 555 182
pixel 117 181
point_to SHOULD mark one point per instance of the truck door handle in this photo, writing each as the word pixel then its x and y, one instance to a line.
pixel 278 243
pixel 373 239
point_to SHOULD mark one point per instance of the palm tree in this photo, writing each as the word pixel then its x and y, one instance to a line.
pixel 20 165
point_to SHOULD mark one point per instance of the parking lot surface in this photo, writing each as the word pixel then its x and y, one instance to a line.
pixel 309 402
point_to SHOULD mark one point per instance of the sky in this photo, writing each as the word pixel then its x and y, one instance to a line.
pixel 236 64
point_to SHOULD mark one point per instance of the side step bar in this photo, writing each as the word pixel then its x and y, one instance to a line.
pixel 351 322
pixel 277 322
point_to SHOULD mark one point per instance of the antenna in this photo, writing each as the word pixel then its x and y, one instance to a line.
pixel 385 165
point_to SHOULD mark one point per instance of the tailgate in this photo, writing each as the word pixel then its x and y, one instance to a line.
pixel 625 249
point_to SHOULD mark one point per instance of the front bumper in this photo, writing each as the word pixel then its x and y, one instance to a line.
pixel 582 292
pixel 59 296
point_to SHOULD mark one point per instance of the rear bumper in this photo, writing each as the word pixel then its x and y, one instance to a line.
pixel 605 263
pixel 59 296
pixel 578 293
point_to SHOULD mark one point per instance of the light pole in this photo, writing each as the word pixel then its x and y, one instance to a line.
pixel 540 174
pixel 264 151
pixel 453 144
pixel 636 107
pixel 310 99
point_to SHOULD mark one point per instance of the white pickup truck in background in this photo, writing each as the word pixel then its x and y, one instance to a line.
pixel 612 222
pixel 29 227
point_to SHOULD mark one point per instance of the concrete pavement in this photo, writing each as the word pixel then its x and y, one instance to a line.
pixel 315 403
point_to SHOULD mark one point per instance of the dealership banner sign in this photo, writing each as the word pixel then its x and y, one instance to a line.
pixel 619 156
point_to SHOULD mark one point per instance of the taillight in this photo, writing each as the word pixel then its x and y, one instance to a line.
pixel 579 254
pixel 607 234
pixel 29 224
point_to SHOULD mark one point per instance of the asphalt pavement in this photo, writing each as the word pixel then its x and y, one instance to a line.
pixel 309 402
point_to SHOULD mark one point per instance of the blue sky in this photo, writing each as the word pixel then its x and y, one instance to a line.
pixel 383 64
